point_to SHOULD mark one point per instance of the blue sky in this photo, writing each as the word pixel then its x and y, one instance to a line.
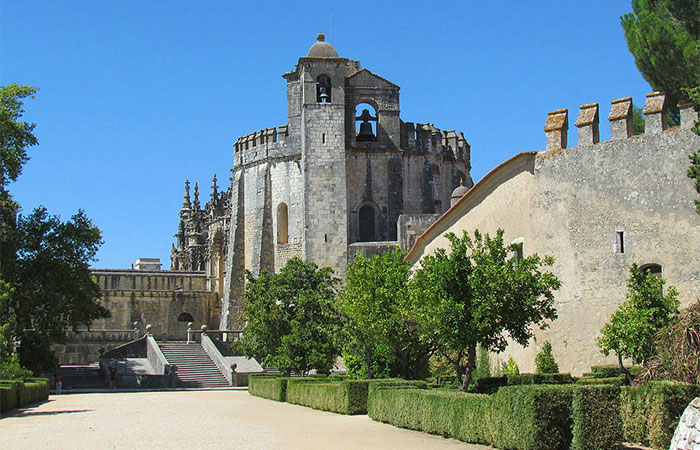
pixel 137 96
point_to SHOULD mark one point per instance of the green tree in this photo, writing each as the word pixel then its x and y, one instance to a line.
pixel 44 259
pixel 694 169
pixel 481 293
pixel 664 37
pixel 15 135
pixel 544 361
pixel 291 320
pixel 53 287
pixel 380 330
pixel 630 331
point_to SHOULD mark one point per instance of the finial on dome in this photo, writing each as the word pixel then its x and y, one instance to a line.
pixel 322 49
pixel 186 201
pixel 321 37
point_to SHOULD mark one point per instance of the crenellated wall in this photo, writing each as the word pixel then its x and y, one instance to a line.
pixel 597 208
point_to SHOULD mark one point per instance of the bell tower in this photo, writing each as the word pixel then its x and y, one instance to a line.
pixel 316 111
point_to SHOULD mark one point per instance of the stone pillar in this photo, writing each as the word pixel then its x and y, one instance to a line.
pixel 655 113
pixel 588 124
pixel 688 115
pixel 556 128
pixel 620 118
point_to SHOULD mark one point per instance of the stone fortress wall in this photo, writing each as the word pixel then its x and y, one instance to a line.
pixel 597 207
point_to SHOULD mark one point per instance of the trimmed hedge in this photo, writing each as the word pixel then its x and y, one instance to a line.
pixel 18 393
pixel 596 418
pixel 650 412
pixel 342 396
pixel 614 381
pixel 266 386
pixel 489 385
pixel 516 417
pixel 532 417
pixel 8 398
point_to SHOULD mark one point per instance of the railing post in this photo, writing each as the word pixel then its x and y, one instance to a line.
pixel 189 331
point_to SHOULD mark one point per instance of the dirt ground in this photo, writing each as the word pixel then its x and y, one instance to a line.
pixel 198 419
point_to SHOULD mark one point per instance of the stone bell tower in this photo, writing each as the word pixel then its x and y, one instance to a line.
pixel 316 108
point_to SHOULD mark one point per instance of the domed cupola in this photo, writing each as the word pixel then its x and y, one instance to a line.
pixel 458 193
pixel 322 49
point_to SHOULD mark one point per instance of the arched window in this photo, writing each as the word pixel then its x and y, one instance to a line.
pixel 185 317
pixel 365 129
pixel 654 269
pixel 323 89
pixel 282 224
pixel 367 222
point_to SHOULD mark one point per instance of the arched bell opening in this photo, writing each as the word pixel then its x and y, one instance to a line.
pixel 323 88
pixel 365 123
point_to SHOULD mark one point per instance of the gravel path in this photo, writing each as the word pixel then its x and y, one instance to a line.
pixel 199 419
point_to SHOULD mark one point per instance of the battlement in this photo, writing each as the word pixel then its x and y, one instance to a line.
pixel 620 117
pixel 425 138
pixel 267 143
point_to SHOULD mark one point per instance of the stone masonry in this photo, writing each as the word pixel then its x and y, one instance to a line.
pixel 332 182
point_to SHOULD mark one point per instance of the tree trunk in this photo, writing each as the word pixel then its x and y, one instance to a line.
pixel 628 374
pixel 469 368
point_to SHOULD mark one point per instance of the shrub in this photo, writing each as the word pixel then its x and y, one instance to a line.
pixel 650 412
pixel 489 385
pixel 611 371
pixel 544 361
pixel 510 367
pixel 615 381
pixel 596 418
pixel 265 386
pixel 531 417
pixel 543 378
pixel 345 397
pixel 8 398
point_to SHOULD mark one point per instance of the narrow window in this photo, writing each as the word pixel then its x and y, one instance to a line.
pixel 653 269
pixel 323 137
pixel 282 225
pixel 620 241
pixel 325 238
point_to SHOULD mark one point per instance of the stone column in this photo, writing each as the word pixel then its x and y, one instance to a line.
pixel 555 128
pixel 688 115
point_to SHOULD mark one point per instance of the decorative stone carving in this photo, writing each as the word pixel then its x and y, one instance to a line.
pixel 687 435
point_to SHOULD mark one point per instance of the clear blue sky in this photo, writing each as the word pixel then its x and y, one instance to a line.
pixel 137 96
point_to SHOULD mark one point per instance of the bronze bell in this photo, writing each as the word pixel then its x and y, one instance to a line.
pixel 365 134
pixel 324 94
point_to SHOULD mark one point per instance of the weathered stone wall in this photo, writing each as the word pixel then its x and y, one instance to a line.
pixel 84 347
pixel 571 204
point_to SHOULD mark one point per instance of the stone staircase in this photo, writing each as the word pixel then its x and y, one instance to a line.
pixel 194 367
pixel 82 377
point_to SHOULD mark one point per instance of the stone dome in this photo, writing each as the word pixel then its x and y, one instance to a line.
pixel 458 192
pixel 322 49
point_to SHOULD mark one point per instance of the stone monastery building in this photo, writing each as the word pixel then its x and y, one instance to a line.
pixel 346 175
pixel 334 181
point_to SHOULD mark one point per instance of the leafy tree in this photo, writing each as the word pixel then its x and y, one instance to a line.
pixel 379 327
pixel 291 320
pixel 15 135
pixel 44 259
pixel 544 361
pixel 480 293
pixel 630 331
pixel 664 37
pixel 53 287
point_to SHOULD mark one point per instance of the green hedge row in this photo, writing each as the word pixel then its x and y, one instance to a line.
pixel 334 393
pixel 597 424
pixel 266 386
pixel 525 417
pixel 614 381
pixel 18 393
pixel 650 412
pixel 489 385
pixel 341 396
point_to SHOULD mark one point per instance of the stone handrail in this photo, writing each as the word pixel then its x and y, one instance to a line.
pixel 156 358
pixel 217 357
